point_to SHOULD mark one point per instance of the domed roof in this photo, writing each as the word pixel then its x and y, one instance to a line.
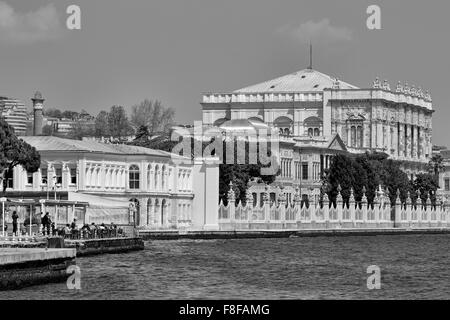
pixel 38 96
pixel 307 80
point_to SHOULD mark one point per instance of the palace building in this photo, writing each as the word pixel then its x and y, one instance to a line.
pixel 318 116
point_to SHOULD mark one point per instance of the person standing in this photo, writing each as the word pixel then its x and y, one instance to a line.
pixel 15 217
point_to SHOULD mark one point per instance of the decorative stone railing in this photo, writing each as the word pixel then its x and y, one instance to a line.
pixel 261 97
pixel 362 215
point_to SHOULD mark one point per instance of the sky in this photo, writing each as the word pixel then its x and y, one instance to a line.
pixel 175 50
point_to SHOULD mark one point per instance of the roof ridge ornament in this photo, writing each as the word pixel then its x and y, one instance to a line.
pixel 376 83
pixel 399 88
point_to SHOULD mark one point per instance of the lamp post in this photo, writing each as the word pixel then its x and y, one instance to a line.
pixel 3 200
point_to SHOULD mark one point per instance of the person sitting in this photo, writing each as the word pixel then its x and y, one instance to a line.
pixel 67 231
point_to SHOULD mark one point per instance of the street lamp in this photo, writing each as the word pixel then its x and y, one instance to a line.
pixel 3 200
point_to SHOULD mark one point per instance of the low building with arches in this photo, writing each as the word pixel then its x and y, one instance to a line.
pixel 122 183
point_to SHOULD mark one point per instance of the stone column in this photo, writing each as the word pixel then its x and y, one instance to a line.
pixel 143 212
pixel 366 135
pixel 407 141
pixel 380 140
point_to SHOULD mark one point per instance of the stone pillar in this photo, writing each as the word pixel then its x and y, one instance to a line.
pixel 65 177
pixel 398 211
pixel 364 206
pixel 401 141
pixel 339 205
pixel 326 209
pixel 206 194
pixel 142 212
pixel 352 208
pixel 395 140
pixel 380 135
pixel 408 141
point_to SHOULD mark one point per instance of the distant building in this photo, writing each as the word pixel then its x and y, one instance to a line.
pixel 166 193
pixel 15 114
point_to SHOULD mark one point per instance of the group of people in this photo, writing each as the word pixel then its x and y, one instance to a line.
pixel 49 228
pixel 91 231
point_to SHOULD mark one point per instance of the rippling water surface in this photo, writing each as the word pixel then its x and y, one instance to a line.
pixel 412 267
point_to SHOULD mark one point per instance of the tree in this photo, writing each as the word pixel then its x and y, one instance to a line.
pixel 53 113
pixel 152 114
pixel 101 125
pixel 14 152
pixel 436 166
pixel 48 130
pixel 72 115
pixel 427 185
pixel 118 123
pixel 368 170
pixel 81 129
pixel 142 134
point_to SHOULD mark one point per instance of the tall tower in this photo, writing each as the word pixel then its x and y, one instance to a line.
pixel 38 106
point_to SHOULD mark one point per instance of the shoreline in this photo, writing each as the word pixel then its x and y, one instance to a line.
pixel 272 234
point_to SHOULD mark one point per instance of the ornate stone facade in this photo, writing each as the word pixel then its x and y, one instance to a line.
pixel 308 105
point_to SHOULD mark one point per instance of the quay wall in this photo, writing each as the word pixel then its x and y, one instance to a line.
pixel 25 267
pixel 261 234
pixel 107 245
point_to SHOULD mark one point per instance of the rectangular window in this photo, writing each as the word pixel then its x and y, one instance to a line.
pixel 305 173
pixel 44 176
pixel 29 178
pixel 58 173
pixel 73 176
pixel 447 184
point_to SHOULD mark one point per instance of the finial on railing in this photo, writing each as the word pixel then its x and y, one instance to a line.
pixel 339 195
pixel 231 193
pixel 297 197
pixel 364 197
pixel 397 199
pixel 386 85
pixel 352 196
pixel 399 88
pixel 408 198
pixel 249 197
pixel 406 88
pixel 376 83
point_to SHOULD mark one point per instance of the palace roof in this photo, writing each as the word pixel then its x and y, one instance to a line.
pixel 45 143
pixel 307 80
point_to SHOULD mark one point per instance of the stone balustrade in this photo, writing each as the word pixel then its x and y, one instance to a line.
pixel 351 215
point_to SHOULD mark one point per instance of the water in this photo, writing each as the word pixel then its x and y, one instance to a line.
pixel 412 267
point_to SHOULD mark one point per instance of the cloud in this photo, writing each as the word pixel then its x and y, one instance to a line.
pixel 321 32
pixel 31 27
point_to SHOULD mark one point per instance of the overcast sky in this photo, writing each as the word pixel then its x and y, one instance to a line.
pixel 173 50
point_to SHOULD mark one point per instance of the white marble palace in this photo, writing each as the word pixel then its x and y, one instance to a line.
pixel 319 115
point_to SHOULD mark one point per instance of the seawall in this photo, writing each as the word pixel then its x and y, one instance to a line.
pixel 107 245
pixel 21 267
pixel 255 234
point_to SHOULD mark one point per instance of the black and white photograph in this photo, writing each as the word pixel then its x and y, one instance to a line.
pixel 241 152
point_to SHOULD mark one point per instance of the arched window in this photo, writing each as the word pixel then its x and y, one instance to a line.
pixel 149 176
pixel 134 177
pixel 283 124
pixel 163 178
pixel 316 132
pixel 310 132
